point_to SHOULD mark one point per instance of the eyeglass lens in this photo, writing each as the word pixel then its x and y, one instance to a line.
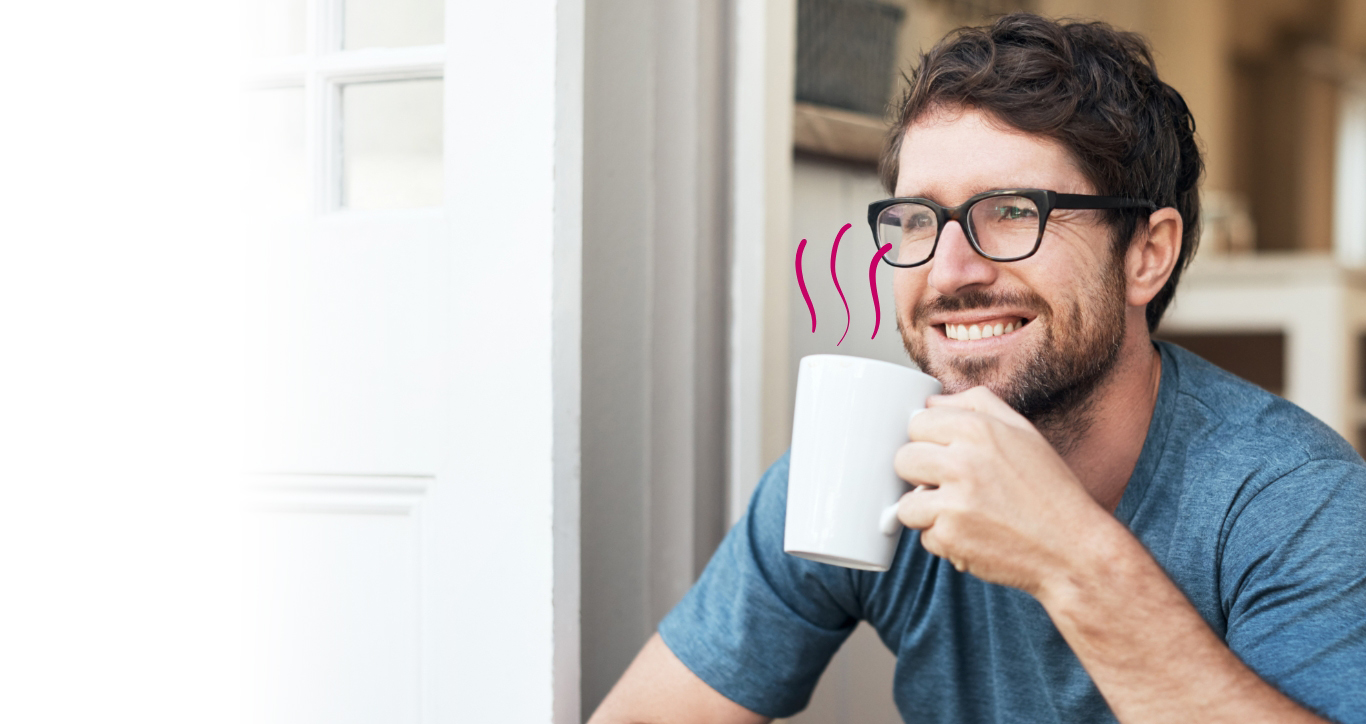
pixel 1005 227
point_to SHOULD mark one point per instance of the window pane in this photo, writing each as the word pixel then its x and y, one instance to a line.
pixel 391 144
pixel 273 136
pixel 274 27
pixel 393 23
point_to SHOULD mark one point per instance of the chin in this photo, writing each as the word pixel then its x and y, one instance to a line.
pixel 958 372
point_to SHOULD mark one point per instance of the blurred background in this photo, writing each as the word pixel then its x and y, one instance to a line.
pixel 522 327
pixel 1276 291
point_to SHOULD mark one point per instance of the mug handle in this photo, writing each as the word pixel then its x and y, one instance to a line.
pixel 888 523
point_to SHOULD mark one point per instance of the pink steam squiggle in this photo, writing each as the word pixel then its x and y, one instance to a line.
pixel 801 282
pixel 834 252
pixel 872 282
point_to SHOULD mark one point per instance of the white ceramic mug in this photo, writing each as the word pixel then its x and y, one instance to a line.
pixel 851 417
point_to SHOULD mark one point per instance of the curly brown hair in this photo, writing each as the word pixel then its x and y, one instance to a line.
pixel 1086 85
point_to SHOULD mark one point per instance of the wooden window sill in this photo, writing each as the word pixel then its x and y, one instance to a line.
pixel 837 133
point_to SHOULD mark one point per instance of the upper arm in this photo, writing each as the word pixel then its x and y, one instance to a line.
pixel 754 633
pixel 1294 585
pixel 658 689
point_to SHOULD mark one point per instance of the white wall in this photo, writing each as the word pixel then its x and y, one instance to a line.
pixel 654 308
pixel 515 145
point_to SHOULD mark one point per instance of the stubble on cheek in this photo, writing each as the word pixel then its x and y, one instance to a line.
pixel 1050 374
pixel 957 373
pixel 962 372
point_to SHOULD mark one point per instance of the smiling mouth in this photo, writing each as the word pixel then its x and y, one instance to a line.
pixel 996 328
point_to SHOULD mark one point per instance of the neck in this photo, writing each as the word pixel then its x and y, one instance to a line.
pixel 1106 449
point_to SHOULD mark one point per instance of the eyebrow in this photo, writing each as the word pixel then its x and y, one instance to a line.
pixel 972 192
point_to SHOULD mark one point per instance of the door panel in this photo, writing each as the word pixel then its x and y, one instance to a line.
pixel 345 369
pixel 335 565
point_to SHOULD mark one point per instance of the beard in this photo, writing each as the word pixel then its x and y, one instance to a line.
pixel 1054 386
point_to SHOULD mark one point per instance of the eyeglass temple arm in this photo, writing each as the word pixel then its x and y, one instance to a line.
pixel 1083 201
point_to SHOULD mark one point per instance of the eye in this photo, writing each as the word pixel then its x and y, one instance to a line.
pixel 1012 211
pixel 919 220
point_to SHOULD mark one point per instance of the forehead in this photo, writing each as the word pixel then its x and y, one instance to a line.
pixel 949 155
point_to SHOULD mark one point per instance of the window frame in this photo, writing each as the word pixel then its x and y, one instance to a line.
pixel 322 70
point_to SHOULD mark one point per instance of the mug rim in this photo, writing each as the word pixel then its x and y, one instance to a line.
pixel 868 360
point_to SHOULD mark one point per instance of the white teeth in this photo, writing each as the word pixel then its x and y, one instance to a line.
pixel 986 331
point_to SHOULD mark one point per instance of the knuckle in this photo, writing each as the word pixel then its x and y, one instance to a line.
pixel 905 505
pixel 930 541
pixel 957 469
pixel 921 421
pixel 979 426
pixel 981 392
pixel 902 460
pixel 967 491
pixel 986 393
pixel 945 526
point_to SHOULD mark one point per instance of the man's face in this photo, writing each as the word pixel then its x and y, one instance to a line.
pixel 1066 301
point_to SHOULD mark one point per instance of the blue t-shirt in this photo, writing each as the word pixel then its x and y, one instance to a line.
pixel 1256 510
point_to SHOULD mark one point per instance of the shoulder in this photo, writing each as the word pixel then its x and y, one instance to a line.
pixel 1243 424
pixel 1271 466
pixel 1249 463
pixel 1291 587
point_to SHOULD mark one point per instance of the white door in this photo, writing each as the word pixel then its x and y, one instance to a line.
pixel 344 127
pixel 361 606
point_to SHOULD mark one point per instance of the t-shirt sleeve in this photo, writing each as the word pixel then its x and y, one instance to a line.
pixel 1293 584
pixel 760 625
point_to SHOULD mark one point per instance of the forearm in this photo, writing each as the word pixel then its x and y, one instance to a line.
pixel 660 689
pixel 1146 647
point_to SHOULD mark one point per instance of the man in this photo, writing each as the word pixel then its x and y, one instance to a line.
pixel 1102 527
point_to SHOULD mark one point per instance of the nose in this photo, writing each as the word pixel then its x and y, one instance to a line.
pixel 956 266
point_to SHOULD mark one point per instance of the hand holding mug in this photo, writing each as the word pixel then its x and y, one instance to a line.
pixel 995 499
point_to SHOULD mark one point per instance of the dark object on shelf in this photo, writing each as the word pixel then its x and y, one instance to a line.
pixel 846 53
pixel 1258 357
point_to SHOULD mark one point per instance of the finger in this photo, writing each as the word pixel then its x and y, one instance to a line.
pixel 945 425
pixel 981 399
pixel 918 508
pixel 934 540
pixel 924 422
pixel 925 463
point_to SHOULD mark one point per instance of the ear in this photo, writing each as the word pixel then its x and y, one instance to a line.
pixel 1152 256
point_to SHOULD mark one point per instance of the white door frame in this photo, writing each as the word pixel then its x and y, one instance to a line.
pixel 765 60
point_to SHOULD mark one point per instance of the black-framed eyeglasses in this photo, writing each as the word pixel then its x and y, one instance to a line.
pixel 1005 225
